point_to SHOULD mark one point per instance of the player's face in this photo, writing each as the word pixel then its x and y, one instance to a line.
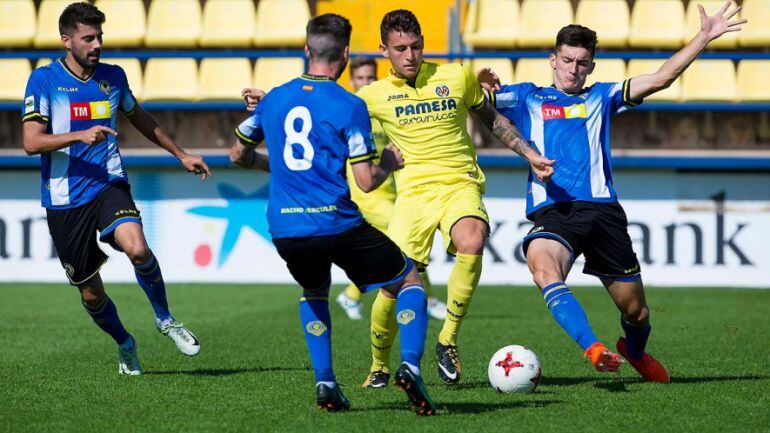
pixel 362 76
pixel 571 66
pixel 405 53
pixel 85 44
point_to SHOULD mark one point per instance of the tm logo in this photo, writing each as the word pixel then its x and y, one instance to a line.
pixel 241 210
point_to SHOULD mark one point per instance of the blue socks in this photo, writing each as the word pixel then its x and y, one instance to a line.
pixel 412 318
pixel 150 279
pixel 569 314
pixel 636 338
pixel 105 315
pixel 317 326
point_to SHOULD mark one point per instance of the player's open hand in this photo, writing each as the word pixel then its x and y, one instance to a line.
pixel 719 24
pixel 195 164
pixel 252 97
pixel 391 158
pixel 542 167
pixel 489 80
pixel 96 134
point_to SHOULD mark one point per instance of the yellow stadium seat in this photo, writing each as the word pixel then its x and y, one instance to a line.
pixel 638 67
pixel 228 23
pixel 536 71
pixel 708 81
pixel 125 22
pixel 173 23
pixel 274 71
pixel 692 23
pixel 223 79
pixel 607 71
pixel 657 24
pixel 47 35
pixel 492 24
pixel 43 61
pixel 755 33
pixel 15 73
pixel 281 23
pixel 753 85
pixel 502 67
pixel 171 80
pixel 541 20
pixel 608 18
pixel 17 23
pixel 133 69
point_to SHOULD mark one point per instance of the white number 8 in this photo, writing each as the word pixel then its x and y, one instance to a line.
pixel 298 137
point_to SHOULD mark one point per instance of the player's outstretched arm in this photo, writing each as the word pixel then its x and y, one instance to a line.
pixel 36 140
pixel 248 157
pixel 509 135
pixel 712 27
pixel 147 125
pixel 370 176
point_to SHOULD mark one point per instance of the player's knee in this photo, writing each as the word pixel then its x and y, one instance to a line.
pixel 544 277
pixel 470 243
pixel 91 293
pixel 137 251
pixel 637 314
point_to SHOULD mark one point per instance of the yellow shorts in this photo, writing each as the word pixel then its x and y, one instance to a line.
pixel 377 209
pixel 422 209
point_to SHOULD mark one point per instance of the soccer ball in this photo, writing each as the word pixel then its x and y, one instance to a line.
pixel 514 369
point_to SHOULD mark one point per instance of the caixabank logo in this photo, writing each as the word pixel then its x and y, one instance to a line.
pixel 243 211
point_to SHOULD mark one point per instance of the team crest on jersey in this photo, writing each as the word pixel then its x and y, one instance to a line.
pixel 105 87
pixel 316 328
pixel 405 316
pixel 442 91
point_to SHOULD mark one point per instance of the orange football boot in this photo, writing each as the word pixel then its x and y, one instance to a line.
pixel 650 368
pixel 602 359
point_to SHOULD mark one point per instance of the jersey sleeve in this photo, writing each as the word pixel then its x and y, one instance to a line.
pixel 618 96
pixel 36 102
pixel 128 102
pixel 358 134
pixel 473 95
pixel 510 99
pixel 250 132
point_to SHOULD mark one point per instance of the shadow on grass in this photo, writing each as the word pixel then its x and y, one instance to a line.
pixel 473 407
pixel 618 384
pixel 224 371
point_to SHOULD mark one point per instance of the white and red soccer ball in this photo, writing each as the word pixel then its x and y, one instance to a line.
pixel 514 369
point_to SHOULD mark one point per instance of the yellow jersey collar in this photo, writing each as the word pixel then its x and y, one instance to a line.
pixel 395 79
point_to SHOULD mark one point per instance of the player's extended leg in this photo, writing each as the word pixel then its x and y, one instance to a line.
pixel 383 330
pixel 628 295
pixel 468 236
pixel 130 238
pixel 350 302
pixel 104 313
pixel 436 308
pixel 550 262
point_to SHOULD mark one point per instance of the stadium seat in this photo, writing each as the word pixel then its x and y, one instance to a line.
pixel 47 34
pixel 709 81
pixel 755 33
pixel 502 67
pixel 43 61
pixel 125 22
pixel 612 33
pixel 17 23
pixel 657 24
pixel 171 80
pixel 133 70
pixel 15 73
pixel 223 79
pixel 607 71
pixel 281 23
pixel 173 23
pixel 638 67
pixel 228 23
pixel 692 23
pixel 536 71
pixel 273 71
pixel 541 20
pixel 753 85
pixel 492 24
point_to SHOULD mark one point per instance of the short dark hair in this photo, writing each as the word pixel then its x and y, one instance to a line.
pixel 399 20
pixel 327 36
pixel 362 61
pixel 79 13
pixel 576 35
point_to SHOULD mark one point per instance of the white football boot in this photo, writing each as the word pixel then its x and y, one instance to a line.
pixel 185 340
pixel 436 308
pixel 352 308
pixel 128 361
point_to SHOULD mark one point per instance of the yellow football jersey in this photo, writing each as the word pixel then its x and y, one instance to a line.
pixel 428 122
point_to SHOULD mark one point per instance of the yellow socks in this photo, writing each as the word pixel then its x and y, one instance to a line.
pixel 462 283
pixel 383 331
pixel 425 282
pixel 352 292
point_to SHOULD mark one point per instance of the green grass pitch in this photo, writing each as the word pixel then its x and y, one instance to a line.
pixel 58 372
